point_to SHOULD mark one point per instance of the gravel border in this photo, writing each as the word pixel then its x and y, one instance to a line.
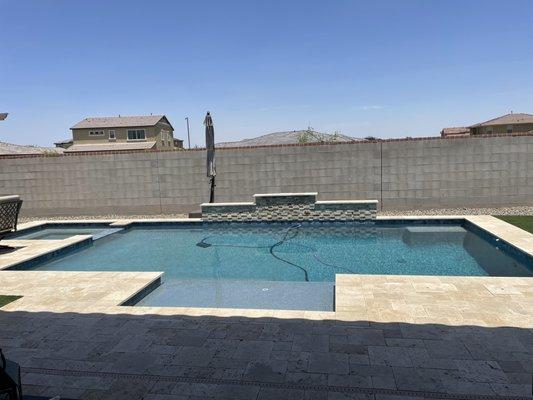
pixel 23 219
pixel 519 210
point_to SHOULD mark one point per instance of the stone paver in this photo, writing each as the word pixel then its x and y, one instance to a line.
pixel 92 344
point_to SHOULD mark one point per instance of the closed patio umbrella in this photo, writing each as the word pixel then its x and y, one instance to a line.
pixel 210 146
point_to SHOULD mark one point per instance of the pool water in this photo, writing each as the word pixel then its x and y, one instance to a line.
pixel 258 266
pixel 63 233
pixel 293 252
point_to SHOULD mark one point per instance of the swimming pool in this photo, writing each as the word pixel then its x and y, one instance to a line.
pixel 287 265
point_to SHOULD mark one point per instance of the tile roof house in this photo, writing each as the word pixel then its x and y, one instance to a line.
pixel 122 133
pixel 506 124
pixel 509 123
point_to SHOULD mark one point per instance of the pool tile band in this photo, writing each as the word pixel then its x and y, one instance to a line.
pixel 513 251
pixel 290 207
pixel 134 299
pixel 50 255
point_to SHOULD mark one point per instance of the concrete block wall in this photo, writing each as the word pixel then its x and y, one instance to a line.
pixel 467 172
pixel 96 184
pixel 405 174
pixel 336 171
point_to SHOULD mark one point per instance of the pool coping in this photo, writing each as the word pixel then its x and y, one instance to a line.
pixel 126 285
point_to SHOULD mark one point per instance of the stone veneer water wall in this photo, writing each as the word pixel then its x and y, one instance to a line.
pixel 290 207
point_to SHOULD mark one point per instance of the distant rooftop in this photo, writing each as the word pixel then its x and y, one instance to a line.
pixel 119 122
pixel 289 137
pixel 10 148
pixel 66 141
pixel 455 131
pixel 508 119
pixel 76 148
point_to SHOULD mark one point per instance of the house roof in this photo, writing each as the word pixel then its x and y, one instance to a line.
pixel 455 131
pixel 518 118
pixel 64 141
pixel 120 121
pixel 76 148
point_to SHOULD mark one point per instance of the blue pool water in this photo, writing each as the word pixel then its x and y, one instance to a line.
pixel 61 233
pixel 272 265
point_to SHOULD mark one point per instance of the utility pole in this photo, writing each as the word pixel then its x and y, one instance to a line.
pixel 188 134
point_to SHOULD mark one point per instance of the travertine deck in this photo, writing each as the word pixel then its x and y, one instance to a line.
pixel 390 336
pixel 76 291
pixel 449 300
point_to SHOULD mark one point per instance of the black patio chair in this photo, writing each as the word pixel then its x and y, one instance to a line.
pixel 9 214
pixel 10 383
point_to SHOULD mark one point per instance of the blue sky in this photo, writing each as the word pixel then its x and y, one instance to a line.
pixel 382 68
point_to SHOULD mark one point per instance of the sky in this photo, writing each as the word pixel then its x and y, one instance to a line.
pixel 362 68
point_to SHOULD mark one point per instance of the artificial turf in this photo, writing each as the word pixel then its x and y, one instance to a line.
pixel 7 299
pixel 524 222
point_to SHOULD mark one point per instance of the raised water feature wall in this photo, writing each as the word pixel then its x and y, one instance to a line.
pixel 401 174
pixel 290 207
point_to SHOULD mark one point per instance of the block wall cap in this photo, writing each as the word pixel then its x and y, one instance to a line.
pixel 286 194
pixel 227 204
pixel 347 202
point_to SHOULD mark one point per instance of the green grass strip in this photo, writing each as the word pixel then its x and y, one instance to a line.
pixel 7 299
pixel 524 222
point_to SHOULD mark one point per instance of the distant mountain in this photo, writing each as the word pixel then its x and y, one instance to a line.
pixel 289 137
pixel 10 148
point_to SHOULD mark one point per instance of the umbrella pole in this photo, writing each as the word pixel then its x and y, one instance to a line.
pixel 212 195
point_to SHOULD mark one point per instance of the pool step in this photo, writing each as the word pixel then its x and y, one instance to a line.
pixel 270 295
pixel 106 232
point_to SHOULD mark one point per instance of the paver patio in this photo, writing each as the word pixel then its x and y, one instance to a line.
pixel 391 337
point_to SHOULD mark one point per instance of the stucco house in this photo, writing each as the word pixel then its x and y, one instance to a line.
pixel 506 124
pixel 509 123
pixel 123 133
